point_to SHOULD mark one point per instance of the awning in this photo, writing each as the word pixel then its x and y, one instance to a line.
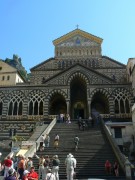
pixel 22 152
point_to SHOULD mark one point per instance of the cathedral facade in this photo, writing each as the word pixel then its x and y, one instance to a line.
pixel 75 81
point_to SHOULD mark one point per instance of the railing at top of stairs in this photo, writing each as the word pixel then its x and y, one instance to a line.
pixel 120 156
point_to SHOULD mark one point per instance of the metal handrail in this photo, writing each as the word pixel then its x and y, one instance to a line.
pixel 120 156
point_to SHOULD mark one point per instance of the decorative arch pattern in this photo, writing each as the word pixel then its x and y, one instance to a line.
pixel 15 105
pixel 36 102
pixel 59 91
pixel 1 102
pixel 100 101
pixel 79 75
pixel 121 101
pixel 103 91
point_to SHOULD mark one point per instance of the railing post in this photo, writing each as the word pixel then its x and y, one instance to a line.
pixel 128 169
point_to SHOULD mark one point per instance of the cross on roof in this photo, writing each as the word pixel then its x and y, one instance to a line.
pixel 77 26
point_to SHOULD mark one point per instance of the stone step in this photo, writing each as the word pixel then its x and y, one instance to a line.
pixel 93 151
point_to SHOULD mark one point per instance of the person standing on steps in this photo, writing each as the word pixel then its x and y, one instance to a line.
pixel 41 168
pixel 68 119
pixel 80 123
pixel 46 164
pixel 50 175
pixel 12 175
pixel 47 140
pixel 76 142
pixel 25 175
pixel 83 125
pixel 32 175
pixel 108 167
pixel 21 166
pixel 7 165
pixel 41 147
pixel 70 163
pixel 56 141
pixel 116 169
pixel 29 163
pixel 55 166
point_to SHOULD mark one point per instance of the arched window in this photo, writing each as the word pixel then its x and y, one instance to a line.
pixel 15 109
pixel 122 106
pixel 116 107
pixel 35 104
pixel 10 108
pixel 127 106
pixel 1 106
pixel 121 102
pixel 41 108
pixel 30 108
pixel 20 109
pixel 15 105
pixel 35 108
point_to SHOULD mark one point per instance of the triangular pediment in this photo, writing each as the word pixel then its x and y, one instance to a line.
pixel 78 38
pixel 91 75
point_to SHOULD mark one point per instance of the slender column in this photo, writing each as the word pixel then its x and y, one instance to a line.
pixel 5 108
pixel 46 109
pixel 25 109
pixel 89 109
pixel 67 107
pixel 111 107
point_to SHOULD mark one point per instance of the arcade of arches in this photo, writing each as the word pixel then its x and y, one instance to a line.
pixel 76 81
pixel 79 103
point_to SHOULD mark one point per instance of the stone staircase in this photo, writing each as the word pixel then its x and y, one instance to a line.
pixel 94 150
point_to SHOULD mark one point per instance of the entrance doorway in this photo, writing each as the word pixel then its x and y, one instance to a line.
pixel 78 97
pixel 78 113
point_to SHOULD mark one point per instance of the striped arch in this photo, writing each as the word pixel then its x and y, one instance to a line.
pixel 122 100
pixel 79 74
pixel 36 102
pixel 1 102
pixel 15 104
pixel 57 91
pixel 57 102
pixel 103 91
pixel 100 101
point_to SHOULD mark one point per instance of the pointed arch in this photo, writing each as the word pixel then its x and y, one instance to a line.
pixel 77 74
pixel 78 96
pixel 100 101
pixel 15 104
pixel 123 98
pixel 1 102
pixel 58 91
pixel 36 102
pixel 57 102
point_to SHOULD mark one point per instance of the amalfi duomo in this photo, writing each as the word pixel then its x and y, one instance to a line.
pixel 79 81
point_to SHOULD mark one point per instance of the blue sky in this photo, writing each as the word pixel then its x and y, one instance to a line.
pixel 28 27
